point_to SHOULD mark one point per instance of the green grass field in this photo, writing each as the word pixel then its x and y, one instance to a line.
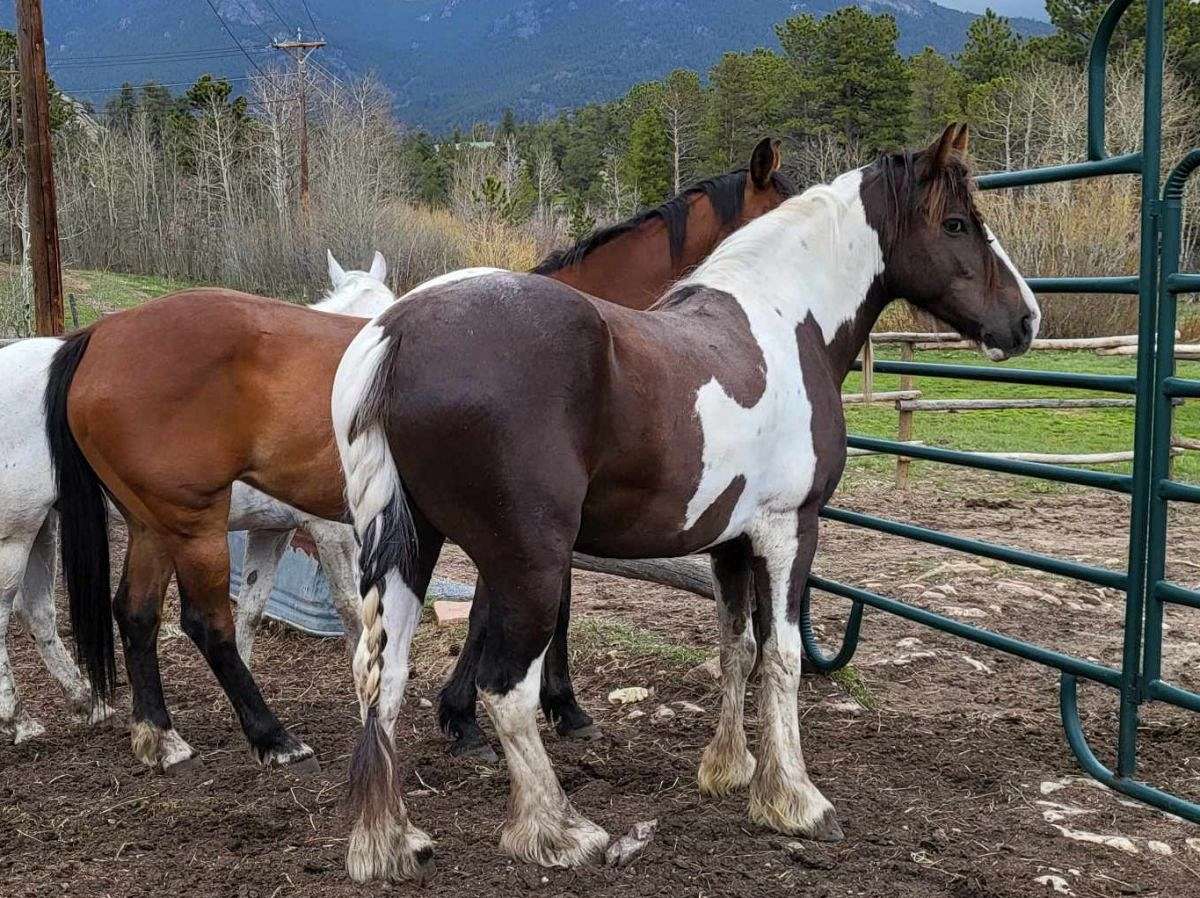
pixel 98 292
pixel 1021 430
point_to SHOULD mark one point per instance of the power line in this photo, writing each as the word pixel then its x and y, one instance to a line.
pixel 128 55
pixel 311 19
pixel 271 6
pixel 102 90
pixel 233 37
pixel 254 21
pixel 139 60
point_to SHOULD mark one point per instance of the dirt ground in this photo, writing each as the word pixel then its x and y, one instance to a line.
pixel 955 781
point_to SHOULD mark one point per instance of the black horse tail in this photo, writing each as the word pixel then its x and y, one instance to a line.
pixel 83 510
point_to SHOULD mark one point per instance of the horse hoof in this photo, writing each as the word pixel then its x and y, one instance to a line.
pixel 104 716
pixel 474 750
pixel 27 730
pixel 828 829
pixel 807 668
pixel 586 733
pixel 184 766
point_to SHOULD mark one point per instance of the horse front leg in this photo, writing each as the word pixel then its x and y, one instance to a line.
pixel 727 764
pixel 15 723
pixel 35 606
pixel 782 797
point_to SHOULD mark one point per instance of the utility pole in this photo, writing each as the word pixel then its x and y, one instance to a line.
pixel 39 165
pixel 300 50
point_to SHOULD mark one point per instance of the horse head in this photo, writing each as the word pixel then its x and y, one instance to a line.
pixel 939 254
pixel 361 293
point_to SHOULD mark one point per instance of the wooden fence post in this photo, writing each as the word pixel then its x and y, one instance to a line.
pixel 43 210
pixel 905 428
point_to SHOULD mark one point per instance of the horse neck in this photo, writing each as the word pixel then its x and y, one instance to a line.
pixel 817 257
pixel 635 268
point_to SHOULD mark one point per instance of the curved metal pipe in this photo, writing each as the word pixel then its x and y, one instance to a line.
pixel 1177 179
pixel 1098 77
pixel 820 659
pixel 1077 741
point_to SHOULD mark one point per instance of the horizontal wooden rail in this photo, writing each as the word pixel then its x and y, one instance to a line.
pixel 1186 351
pixel 882 396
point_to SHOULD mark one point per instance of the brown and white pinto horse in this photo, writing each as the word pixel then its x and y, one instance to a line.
pixel 522 419
pixel 631 264
pixel 165 406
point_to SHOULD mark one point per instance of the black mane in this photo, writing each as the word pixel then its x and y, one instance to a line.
pixel 726 193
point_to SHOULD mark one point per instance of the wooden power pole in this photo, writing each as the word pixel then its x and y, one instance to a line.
pixel 300 50
pixel 39 165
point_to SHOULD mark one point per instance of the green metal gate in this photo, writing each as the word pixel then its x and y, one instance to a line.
pixel 1157 286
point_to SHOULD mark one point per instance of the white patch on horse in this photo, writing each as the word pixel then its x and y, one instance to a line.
pixel 453 277
pixel 817 255
pixel 1031 302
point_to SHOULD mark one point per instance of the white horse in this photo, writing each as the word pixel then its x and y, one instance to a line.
pixel 28 522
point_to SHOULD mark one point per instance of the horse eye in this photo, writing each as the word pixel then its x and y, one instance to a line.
pixel 954 226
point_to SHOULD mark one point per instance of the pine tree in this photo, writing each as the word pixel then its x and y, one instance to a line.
pixel 647 163
pixel 851 79
pixel 937 91
pixel 993 50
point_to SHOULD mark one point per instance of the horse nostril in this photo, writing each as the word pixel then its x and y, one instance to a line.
pixel 1027 325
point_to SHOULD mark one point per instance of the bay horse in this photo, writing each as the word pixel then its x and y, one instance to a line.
pixel 29 523
pixel 165 407
pixel 523 419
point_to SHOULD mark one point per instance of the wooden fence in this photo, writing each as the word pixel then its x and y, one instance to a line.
pixel 908 400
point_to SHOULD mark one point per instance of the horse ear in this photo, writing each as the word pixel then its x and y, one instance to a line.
pixel 336 274
pixel 378 266
pixel 962 142
pixel 951 145
pixel 764 162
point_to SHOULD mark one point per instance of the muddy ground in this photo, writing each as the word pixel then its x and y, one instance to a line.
pixel 955 781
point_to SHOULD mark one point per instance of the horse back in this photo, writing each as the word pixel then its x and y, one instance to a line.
pixel 203 386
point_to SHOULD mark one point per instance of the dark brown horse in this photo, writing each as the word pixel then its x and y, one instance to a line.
pixel 165 406
pixel 522 420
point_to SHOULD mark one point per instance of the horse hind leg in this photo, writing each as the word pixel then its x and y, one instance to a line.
pixel 264 549
pixel 456 701
pixel 35 606
pixel 202 572
pixel 559 704
pixel 15 722
pixel 137 606
pixel 542 826
pixel 726 764
pixel 337 550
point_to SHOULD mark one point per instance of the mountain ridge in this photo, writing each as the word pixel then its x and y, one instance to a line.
pixel 448 62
